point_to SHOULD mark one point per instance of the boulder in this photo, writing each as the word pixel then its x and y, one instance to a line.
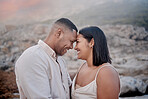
pixel 136 97
pixel 130 86
pixel 2 29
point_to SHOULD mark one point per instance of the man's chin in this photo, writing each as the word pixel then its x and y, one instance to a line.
pixel 64 53
pixel 61 54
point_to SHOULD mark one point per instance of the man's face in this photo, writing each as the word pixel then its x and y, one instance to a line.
pixel 66 42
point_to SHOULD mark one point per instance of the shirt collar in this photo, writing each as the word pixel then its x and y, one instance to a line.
pixel 47 49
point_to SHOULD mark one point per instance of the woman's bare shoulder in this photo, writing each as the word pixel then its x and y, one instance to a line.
pixel 108 74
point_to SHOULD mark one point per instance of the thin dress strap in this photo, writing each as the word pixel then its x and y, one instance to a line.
pixel 80 68
pixel 74 80
pixel 101 68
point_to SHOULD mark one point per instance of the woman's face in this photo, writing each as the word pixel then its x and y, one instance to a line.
pixel 82 47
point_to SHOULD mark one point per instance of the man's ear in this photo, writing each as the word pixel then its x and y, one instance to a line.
pixel 59 33
pixel 91 43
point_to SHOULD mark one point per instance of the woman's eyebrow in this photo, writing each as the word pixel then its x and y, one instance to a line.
pixel 78 38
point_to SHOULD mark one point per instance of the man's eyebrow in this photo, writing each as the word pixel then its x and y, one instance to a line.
pixel 74 40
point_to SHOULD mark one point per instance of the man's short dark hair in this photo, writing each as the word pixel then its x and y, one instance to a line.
pixel 67 23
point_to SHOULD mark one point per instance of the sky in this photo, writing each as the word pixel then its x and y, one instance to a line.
pixel 22 9
pixel 25 11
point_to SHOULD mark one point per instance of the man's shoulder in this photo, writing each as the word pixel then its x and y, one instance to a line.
pixel 34 50
pixel 31 51
pixel 33 54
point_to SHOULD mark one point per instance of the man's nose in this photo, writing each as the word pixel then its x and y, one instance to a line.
pixel 71 46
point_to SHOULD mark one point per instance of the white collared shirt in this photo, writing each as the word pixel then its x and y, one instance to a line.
pixel 39 76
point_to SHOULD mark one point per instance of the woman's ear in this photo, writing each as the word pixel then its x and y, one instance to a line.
pixel 91 44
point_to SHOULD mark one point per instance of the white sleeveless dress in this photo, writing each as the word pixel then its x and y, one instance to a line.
pixel 90 90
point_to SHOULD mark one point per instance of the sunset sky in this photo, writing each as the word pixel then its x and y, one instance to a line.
pixel 12 11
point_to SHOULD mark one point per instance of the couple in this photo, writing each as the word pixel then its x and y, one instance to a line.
pixel 41 71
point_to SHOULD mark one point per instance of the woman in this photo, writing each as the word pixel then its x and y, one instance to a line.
pixel 97 78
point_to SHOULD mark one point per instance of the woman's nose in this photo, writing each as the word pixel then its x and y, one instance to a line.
pixel 75 47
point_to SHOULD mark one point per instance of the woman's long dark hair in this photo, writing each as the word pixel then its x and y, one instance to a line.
pixel 100 49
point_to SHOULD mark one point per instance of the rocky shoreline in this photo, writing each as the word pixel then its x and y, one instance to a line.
pixel 128 47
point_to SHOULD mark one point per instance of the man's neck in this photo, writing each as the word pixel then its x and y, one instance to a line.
pixel 49 42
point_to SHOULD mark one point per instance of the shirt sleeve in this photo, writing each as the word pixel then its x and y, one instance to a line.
pixel 33 77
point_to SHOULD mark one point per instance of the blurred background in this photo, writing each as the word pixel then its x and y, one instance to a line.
pixel 124 22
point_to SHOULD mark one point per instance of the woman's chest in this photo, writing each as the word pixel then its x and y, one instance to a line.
pixel 85 77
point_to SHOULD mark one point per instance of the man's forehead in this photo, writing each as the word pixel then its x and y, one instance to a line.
pixel 79 36
pixel 74 34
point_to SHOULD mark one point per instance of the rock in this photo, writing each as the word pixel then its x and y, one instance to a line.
pixel 2 29
pixel 7 85
pixel 137 97
pixel 4 49
pixel 71 55
pixel 118 41
pixel 14 50
pixel 132 85
pixel 10 27
pixel 132 65
pixel 41 29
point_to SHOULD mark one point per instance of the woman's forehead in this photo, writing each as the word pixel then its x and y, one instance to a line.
pixel 79 36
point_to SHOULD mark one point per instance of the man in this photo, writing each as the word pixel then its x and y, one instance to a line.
pixel 40 70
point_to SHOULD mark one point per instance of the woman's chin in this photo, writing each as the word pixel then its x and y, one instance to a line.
pixel 79 57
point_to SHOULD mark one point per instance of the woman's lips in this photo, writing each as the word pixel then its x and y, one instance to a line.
pixel 78 52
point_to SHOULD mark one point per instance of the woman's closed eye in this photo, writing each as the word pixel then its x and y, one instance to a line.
pixel 77 41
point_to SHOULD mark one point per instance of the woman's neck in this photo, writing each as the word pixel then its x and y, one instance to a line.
pixel 90 60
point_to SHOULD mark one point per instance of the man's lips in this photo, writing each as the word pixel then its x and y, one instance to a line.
pixel 65 50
